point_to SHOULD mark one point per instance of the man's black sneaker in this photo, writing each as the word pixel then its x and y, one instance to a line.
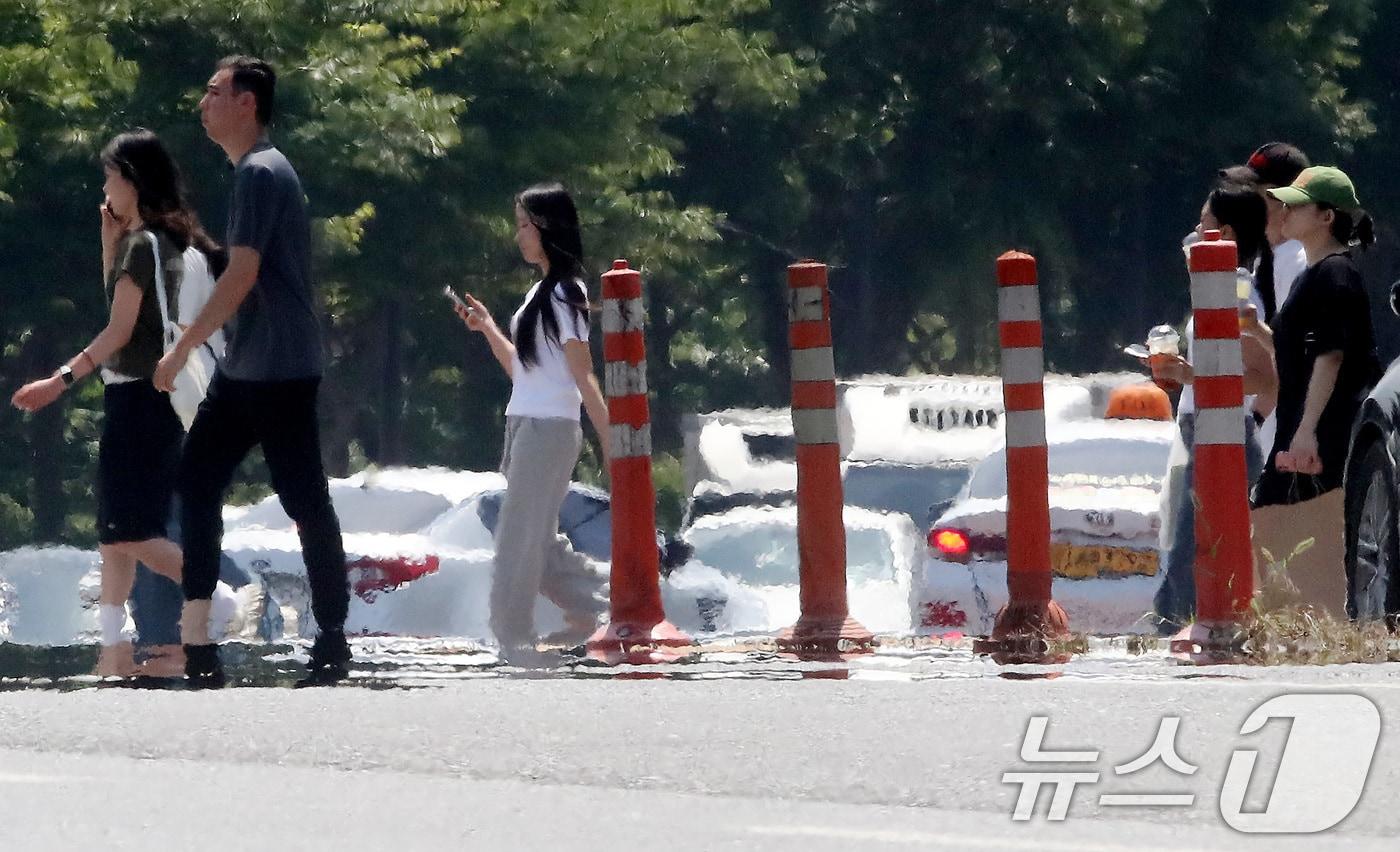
pixel 203 670
pixel 329 661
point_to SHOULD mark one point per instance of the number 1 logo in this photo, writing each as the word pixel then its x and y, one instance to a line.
pixel 1326 760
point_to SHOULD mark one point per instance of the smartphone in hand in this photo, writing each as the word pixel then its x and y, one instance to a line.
pixel 456 300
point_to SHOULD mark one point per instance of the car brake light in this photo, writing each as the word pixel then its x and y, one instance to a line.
pixel 953 544
pixel 370 575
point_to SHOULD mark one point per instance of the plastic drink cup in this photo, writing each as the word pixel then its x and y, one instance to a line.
pixel 1163 340
pixel 1244 289
pixel 1163 346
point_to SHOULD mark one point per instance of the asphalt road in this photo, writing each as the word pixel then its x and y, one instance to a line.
pixel 882 754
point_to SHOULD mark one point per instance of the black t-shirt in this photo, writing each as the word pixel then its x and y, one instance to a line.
pixel 1327 311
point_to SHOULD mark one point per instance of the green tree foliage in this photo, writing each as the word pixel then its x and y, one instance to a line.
pixel 710 142
pixel 943 132
pixel 58 78
pixel 412 124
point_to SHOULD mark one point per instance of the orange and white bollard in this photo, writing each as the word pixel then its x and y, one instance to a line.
pixel 1224 554
pixel 1031 617
pixel 637 631
pixel 824 626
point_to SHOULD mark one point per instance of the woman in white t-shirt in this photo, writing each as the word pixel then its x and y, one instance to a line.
pixel 1238 213
pixel 551 373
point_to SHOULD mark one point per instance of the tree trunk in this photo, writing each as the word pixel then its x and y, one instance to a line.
pixel 338 414
pixel 341 397
pixel 771 276
pixel 863 348
pixel 661 373
pixel 46 446
pixel 482 400
pixel 391 396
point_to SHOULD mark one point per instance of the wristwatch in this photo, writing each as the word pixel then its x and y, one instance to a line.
pixel 66 373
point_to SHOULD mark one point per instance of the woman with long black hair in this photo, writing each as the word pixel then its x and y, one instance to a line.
pixel 1238 212
pixel 551 372
pixel 144 207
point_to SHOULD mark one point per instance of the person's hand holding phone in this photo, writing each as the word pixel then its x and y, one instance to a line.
pixel 112 227
pixel 471 310
pixel 475 315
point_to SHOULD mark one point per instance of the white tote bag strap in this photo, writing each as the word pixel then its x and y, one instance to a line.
pixel 167 327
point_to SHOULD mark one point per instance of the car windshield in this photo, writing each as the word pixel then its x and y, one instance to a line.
pixel 765 553
pixel 919 491
pixel 462 528
pixel 1103 463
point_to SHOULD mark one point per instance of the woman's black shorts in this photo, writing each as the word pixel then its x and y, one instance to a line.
pixel 136 462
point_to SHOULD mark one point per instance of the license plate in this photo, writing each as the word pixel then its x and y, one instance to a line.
pixel 1081 562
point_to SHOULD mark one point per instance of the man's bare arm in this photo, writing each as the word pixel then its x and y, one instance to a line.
pixel 229 292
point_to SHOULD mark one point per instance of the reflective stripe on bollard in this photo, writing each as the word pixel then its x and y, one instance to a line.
pixel 824 627
pixel 1030 618
pixel 637 631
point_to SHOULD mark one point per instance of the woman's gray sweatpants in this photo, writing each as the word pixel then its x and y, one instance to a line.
pixel 531 556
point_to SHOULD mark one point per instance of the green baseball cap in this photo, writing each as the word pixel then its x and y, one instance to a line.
pixel 1319 185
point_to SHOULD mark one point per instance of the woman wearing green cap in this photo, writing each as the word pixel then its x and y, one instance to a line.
pixel 1323 340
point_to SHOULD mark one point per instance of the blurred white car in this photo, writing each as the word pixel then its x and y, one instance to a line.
pixel 1105 492
pixel 401 582
pixel 48 595
pixel 391 500
pixel 418 549
pixel 743 574
pixel 907 443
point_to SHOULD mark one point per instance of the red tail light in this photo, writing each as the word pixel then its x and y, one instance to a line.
pixel 954 545
pixel 370 575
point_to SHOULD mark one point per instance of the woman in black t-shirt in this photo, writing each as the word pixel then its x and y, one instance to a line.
pixel 1323 341
pixel 141 434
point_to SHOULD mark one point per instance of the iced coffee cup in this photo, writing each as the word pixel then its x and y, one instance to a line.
pixel 1163 348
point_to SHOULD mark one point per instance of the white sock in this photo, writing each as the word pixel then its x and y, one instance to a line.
pixel 223 608
pixel 111 618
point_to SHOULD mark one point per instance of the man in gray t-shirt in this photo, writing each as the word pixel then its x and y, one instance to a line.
pixel 275 334
pixel 264 393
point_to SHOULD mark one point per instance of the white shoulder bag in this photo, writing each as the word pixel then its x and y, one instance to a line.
pixel 192 382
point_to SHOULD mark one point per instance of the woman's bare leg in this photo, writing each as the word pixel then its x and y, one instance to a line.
pixel 118 573
pixel 161 555
pixel 164 557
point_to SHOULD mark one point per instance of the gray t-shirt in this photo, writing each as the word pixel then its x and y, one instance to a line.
pixel 276 334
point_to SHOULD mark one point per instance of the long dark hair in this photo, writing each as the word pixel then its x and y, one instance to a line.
pixel 551 210
pixel 1242 208
pixel 1352 226
pixel 140 157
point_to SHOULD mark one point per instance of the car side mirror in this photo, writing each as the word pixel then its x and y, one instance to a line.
pixel 1395 298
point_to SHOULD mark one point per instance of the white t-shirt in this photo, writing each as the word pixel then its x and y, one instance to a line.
pixel 1289 262
pixel 547 389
